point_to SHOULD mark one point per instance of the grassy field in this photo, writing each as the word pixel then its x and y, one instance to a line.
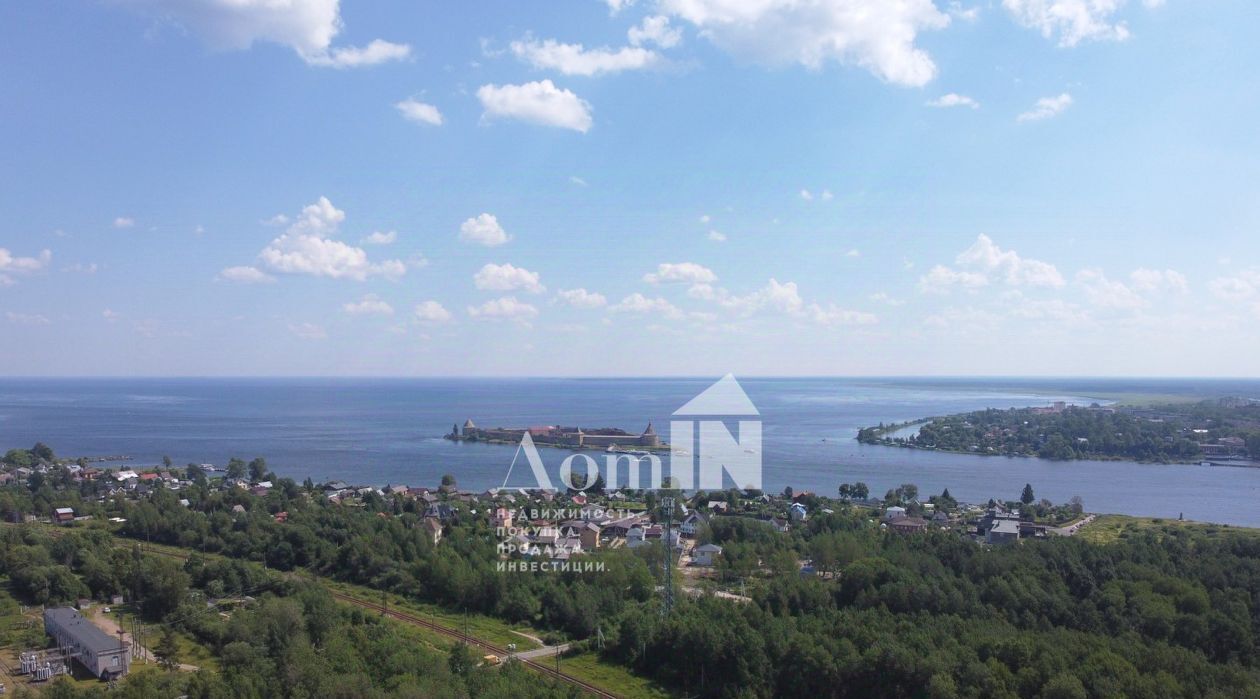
pixel 591 668
pixel 1110 528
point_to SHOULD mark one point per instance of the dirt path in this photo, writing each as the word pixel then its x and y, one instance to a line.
pixel 110 626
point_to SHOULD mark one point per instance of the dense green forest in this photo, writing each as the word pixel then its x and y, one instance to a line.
pixel 295 642
pixel 1169 612
pixel 1163 434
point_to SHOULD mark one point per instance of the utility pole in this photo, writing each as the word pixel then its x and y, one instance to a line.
pixel 668 504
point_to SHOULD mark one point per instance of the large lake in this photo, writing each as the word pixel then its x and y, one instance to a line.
pixel 381 431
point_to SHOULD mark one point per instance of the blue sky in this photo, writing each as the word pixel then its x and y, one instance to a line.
pixel 650 187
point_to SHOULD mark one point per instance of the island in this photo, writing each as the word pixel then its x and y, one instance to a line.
pixel 609 439
pixel 1224 431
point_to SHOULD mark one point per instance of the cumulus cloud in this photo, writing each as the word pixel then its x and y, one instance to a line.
pixel 1150 280
pixel 1238 287
pixel 581 298
pixel 575 59
pixel 538 102
pixel 615 6
pixel 380 238
pixel 431 312
pixel 124 222
pixel 419 112
pixel 507 277
pixel 13 263
pixel 781 298
pixel 307 247
pixel 639 304
pixel 306 26
pixel 876 35
pixel 1046 108
pixel 1108 293
pixel 655 29
pixel 244 274
pixel 681 273
pixel 504 308
pixel 369 305
pixel 1072 21
pixel 807 195
pixel 717 236
pixel 985 262
pixel 483 229
pixel 953 100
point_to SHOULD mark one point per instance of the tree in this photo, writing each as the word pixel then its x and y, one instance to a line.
pixel 448 480
pixel 17 457
pixel 166 461
pixel 167 649
pixel 460 659
pixel 860 490
pixel 1027 496
pixel 42 452
pixel 258 470
pixel 235 468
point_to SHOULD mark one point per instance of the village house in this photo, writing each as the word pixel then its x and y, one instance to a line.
pixel 63 515
pixel 704 555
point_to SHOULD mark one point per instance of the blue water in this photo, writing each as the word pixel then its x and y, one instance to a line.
pixel 382 431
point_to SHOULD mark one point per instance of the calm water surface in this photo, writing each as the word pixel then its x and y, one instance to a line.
pixel 380 431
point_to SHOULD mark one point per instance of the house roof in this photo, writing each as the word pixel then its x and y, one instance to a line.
pixel 84 632
pixel 710 548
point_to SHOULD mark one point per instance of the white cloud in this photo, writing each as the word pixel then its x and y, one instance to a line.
pixel 483 229
pixel 655 29
pixel 953 100
pixel 1107 293
pixel 781 298
pixel 110 316
pixel 380 238
pixel 11 263
pixel 505 308
pixel 827 195
pixel 1046 108
pixel 877 35
pixel 581 298
pixel 640 304
pixel 306 26
pixel 307 247
pixel 431 312
pixel 615 6
pixel 941 279
pixel 705 218
pixel 26 318
pixel 308 331
pixel 717 236
pixel 419 112
pixel 369 305
pixel 1240 287
pixel 1149 280
pixel 277 220
pixel 507 277
pixel 578 181
pixel 853 252
pixel 243 274
pixel 967 14
pixel 986 256
pixel 124 222
pixel 1072 20
pixel 377 51
pixel 680 272
pixel 807 195
pixel 537 103
pixel 884 298
pixel 575 59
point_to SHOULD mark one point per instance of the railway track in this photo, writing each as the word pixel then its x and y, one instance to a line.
pixel 414 620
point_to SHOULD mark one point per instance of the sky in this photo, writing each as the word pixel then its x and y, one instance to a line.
pixel 629 187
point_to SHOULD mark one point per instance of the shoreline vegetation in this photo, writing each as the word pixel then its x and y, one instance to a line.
pixel 1222 432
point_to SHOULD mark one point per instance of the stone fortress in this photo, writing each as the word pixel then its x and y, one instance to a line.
pixel 609 438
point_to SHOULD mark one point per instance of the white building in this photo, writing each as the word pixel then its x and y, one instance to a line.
pixel 103 655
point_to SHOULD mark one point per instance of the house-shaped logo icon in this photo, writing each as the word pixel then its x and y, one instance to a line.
pixel 716 450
